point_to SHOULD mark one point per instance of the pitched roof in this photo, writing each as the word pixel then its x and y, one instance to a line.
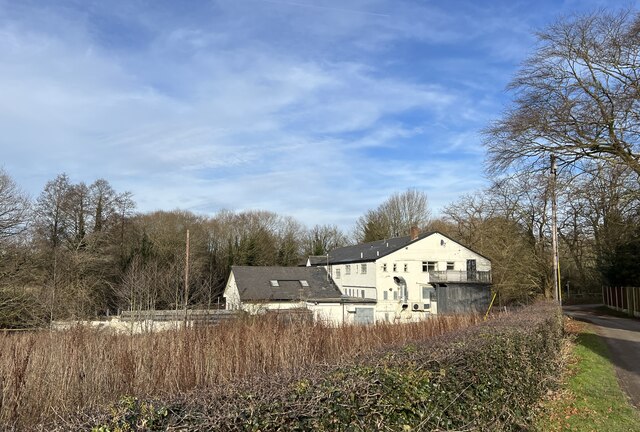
pixel 366 252
pixel 313 260
pixel 371 251
pixel 254 283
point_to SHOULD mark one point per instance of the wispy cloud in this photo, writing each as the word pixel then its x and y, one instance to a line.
pixel 315 111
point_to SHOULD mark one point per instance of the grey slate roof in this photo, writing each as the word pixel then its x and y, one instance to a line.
pixel 371 251
pixel 367 252
pixel 254 284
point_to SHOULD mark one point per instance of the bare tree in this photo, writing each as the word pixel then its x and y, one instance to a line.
pixel 322 238
pixel 577 96
pixel 14 207
pixel 394 217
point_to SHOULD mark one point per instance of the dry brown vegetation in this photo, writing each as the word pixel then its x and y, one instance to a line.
pixel 47 375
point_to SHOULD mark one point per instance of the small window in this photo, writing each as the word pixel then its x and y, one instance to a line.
pixel 395 295
pixel 304 283
pixel 385 295
pixel 363 268
pixel 395 267
pixel 274 283
pixel 362 293
pixel 384 267
pixel 450 265
pixel 347 269
pixel 337 273
pixel 406 268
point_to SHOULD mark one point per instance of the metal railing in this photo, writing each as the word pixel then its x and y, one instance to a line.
pixel 459 276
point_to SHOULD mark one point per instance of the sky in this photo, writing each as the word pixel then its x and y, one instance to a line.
pixel 318 110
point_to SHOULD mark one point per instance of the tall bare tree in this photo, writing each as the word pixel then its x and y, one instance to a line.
pixel 394 217
pixel 14 207
pixel 577 96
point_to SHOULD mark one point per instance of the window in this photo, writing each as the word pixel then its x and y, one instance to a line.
pixel 395 295
pixel 429 266
pixel 427 292
pixel 385 295
pixel 362 293
pixel 395 267
pixel 406 268
pixel 384 267
pixel 363 268
pixel 450 265
pixel 274 283
pixel 347 269
pixel 337 273
pixel 304 283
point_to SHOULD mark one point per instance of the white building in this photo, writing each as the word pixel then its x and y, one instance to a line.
pixel 395 280
pixel 262 289
pixel 411 277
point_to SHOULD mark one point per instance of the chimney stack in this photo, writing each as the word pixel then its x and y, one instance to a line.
pixel 414 233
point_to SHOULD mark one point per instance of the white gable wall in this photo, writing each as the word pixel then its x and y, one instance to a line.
pixel 435 247
pixel 231 294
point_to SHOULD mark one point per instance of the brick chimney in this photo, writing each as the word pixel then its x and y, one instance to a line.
pixel 414 232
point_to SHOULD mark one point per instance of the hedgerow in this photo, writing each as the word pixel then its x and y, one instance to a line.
pixel 488 377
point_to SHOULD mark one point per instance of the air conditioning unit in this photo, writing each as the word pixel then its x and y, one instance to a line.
pixel 417 307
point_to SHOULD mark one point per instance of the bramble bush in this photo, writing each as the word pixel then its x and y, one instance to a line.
pixel 488 378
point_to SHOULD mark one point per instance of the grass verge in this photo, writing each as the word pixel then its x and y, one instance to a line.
pixel 590 398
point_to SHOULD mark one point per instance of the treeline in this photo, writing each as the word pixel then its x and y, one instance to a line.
pixel 81 250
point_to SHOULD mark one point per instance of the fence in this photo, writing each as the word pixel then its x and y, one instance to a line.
pixel 623 299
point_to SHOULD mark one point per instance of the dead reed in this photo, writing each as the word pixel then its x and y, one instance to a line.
pixel 44 375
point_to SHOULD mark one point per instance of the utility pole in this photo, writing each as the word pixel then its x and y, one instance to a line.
pixel 186 281
pixel 554 231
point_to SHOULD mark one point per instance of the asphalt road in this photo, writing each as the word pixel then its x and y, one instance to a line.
pixel 622 336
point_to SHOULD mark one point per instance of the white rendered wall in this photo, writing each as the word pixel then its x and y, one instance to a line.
pixel 231 294
pixel 436 248
pixel 356 282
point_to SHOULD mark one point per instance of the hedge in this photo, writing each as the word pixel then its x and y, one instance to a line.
pixel 485 378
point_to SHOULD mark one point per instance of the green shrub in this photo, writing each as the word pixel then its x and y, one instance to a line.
pixel 485 378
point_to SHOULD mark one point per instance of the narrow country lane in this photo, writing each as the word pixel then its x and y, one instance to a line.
pixel 622 336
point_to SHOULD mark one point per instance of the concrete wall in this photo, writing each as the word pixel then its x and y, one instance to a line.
pixel 118 326
pixel 463 298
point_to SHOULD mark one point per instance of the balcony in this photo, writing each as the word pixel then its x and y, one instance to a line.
pixel 460 276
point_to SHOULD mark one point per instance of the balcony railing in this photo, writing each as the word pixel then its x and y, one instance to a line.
pixel 459 276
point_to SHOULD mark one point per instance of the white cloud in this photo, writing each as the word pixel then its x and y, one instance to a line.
pixel 203 119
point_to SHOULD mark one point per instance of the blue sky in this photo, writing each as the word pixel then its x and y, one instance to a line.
pixel 317 110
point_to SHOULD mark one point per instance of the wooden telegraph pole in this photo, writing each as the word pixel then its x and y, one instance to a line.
pixel 186 281
pixel 554 232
